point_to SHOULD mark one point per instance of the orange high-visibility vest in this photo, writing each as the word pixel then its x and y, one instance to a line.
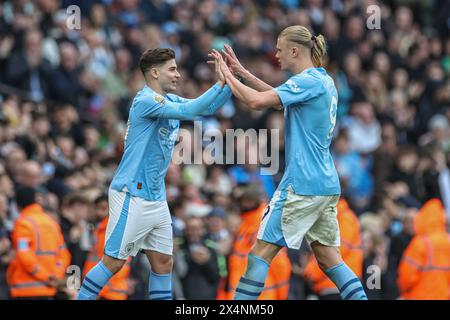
pixel 351 251
pixel 117 287
pixel 277 281
pixel 40 252
pixel 424 271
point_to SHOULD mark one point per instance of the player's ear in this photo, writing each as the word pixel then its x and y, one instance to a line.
pixel 154 73
pixel 295 52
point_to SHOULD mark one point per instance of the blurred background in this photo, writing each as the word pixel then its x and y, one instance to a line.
pixel 64 101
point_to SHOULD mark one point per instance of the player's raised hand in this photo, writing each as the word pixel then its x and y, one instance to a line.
pixel 221 63
pixel 233 62
pixel 219 73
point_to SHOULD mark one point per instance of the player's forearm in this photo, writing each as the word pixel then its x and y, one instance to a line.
pixel 221 99
pixel 257 84
pixel 193 108
pixel 205 101
pixel 246 94
pixel 254 82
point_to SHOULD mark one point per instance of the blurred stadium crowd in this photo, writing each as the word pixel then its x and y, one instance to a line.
pixel 65 94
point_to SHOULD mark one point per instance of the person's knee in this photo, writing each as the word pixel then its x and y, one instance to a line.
pixel 326 257
pixel 324 263
pixel 161 263
pixel 166 264
pixel 114 265
pixel 265 250
pixel 163 266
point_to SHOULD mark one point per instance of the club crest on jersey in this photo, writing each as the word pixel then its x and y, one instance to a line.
pixel 158 98
pixel 129 247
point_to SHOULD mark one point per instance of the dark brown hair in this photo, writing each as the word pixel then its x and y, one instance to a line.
pixel 154 57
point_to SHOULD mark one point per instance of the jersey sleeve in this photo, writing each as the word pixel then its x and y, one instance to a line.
pixel 178 99
pixel 299 88
pixel 221 99
pixel 154 106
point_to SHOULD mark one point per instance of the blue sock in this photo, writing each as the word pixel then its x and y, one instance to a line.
pixel 346 281
pixel 160 287
pixel 252 282
pixel 94 282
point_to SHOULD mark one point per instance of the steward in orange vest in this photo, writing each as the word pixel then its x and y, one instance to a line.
pixel 424 271
pixel 277 281
pixel 351 252
pixel 41 256
pixel 117 287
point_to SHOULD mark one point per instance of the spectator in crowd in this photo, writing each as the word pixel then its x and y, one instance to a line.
pixel 66 86
pixel 10 210
pixel 423 272
pixel 66 122
pixel 355 170
pixel 374 255
pixel 28 70
pixel 74 225
pixel 5 248
pixel 200 277
pixel 398 244
pixel 436 177
pixel 38 268
pixel 363 128
pixel 30 174
pixel 383 161
pixel 217 231
pixel 405 169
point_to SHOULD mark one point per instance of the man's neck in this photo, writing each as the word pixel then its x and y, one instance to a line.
pixel 155 86
pixel 302 66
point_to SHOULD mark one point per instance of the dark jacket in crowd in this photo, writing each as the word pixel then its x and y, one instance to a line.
pixel 201 280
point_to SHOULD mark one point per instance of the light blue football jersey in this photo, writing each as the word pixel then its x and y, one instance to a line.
pixel 152 131
pixel 310 104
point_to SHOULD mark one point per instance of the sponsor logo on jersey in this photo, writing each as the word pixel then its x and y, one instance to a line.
pixel 292 85
pixel 164 131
